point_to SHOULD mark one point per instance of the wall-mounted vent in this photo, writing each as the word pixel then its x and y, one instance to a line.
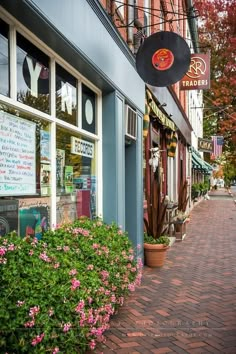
pixel 130 123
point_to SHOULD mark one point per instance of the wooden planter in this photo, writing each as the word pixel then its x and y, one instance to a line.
pixel 155 255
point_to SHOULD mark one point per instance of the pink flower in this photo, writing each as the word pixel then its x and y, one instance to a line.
pixel 20 303
pixel 80 306
pixel 56 265
pixel 104 274
pixel 29 323
pixel 44 257
pixel 75 284
pixel 113 298
pixel 95 246
pixel 90 300
pixel 120 232
pixel 90 267
pixel 31 252
pixel 11 247
pixel 66 248
pixel 105 249
pixel 73 272
pixel 37 339
pixel 85 233
pixel 92 344
pixel 67 327
pixel 34 311
pixel 50 312
pixel 131 287
pixel 2 251
pixel 55 350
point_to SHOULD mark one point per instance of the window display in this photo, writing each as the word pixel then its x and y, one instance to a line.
pixel 33 75
pixel 76 176
pixel 88 110
pixel 25 165
pixel 29 148
pixel 66 103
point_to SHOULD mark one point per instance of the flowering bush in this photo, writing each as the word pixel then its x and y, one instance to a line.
pixel 57 294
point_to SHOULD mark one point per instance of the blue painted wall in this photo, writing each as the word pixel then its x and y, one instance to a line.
pixel 79 23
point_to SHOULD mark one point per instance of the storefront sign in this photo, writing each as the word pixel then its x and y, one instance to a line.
pixel 198 75
pixel 17 156
pixel 205 145
pixel 82 147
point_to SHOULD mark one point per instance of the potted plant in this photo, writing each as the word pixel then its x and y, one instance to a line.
pixel 156 243
pixel 155 250
pixel 195 191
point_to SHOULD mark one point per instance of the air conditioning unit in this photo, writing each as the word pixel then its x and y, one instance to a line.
pixel 130 123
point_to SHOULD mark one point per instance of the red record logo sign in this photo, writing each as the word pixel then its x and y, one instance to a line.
pixel 163 59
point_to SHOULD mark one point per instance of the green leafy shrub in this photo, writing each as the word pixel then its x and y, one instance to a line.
pixel 164 240
pixel 57 294
pixel 195 190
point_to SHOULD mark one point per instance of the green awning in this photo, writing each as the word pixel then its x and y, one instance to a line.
pixel 210 168
pixel 199 164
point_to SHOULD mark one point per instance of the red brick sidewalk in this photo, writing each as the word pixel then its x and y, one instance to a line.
pixel 189 305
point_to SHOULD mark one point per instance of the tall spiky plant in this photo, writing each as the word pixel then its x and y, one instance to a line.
pixel 156 210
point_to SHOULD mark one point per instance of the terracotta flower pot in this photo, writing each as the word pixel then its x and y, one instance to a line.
pixel 155 254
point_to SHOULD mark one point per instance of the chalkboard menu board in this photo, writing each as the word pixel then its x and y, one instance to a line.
pixel 17 156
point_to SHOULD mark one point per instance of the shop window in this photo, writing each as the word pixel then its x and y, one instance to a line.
pixel 66 103
pixel 25 173
pixel 88 110
pixel 33 75
pixel 4 59
pixel 76 176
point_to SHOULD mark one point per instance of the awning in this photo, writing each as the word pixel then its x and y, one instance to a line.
pixel 209 166
pixel 165 121
pixel 199 164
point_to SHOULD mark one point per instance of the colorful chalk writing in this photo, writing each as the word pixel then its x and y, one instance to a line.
pixel 17 156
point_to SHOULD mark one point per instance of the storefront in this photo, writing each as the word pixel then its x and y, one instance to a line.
pixel 48 166
pixel 64 147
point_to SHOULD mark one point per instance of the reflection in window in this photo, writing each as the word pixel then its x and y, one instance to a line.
pixel 32 75
pixel 25 186
pixel 65 96
pixel 76 178
pixel 4 59
pixel 88 110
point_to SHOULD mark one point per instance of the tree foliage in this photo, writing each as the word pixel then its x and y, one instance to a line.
pixel 217 23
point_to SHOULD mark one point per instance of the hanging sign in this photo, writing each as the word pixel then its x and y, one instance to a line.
pixel 205 145
pixel 198 74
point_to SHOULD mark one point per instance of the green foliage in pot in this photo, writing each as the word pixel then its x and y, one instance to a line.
pixel 57 294
pixel 164 240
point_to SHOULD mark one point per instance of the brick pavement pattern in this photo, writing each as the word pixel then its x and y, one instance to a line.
pixel 188 305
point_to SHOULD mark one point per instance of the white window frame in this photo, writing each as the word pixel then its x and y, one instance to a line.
pixel 16 26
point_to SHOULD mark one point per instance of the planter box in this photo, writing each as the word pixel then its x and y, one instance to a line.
pixel 180 230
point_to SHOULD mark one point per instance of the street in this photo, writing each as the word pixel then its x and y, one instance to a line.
pixel 189 305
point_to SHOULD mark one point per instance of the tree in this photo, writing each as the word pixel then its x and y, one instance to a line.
pixel 217 33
